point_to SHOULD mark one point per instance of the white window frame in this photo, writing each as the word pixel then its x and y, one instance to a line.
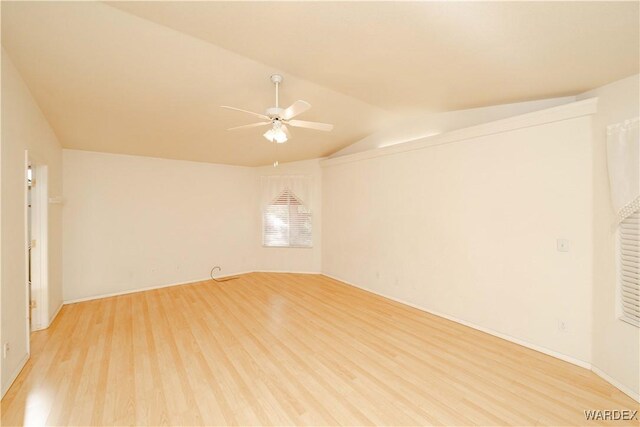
pixel 264 223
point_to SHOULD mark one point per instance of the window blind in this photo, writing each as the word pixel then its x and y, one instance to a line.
pixel 629 267
pixel 287 222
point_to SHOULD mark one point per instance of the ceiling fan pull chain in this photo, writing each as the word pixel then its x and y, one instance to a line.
pixel 275 155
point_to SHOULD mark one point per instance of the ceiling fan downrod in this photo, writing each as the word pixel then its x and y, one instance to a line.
pixel 276 79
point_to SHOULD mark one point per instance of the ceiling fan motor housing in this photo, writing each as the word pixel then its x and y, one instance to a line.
pixel 274 112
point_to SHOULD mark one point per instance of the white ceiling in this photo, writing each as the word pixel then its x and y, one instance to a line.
pixel 434 56
pixel 147 78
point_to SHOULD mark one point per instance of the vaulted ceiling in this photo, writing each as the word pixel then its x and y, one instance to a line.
pixel 147 78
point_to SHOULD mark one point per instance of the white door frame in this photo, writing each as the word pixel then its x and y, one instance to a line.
pixel 39 253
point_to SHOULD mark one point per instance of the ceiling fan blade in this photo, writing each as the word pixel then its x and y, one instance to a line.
pixel 262 116
pixel 294 109
pixel 310 125
pixel 252 125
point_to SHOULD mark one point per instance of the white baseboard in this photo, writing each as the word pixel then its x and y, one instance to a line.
pixel 130 291
pixel 290 272
pixel 14 375
pixel 233 275
pixel 51 319
pixel 489 331
pixel 38 328
pixel 623 388
pixel 148 288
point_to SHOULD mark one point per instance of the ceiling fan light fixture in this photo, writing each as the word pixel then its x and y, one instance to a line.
pixel 276 134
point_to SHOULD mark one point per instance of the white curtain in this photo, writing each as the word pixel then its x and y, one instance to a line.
pixel 274 185
pixel 623 152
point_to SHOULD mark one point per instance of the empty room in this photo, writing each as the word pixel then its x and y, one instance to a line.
pixel 320 213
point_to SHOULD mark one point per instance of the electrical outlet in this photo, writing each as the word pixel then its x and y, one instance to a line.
pixel 5 350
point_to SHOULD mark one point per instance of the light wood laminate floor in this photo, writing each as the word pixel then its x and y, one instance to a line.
pixel 281 349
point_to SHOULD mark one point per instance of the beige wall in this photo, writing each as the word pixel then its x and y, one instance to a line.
pixel 468 229
pixel 616 344
pixel 24 128
pixel 304 260
pixel 136 222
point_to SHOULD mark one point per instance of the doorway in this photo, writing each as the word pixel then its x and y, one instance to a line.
pixel 36 243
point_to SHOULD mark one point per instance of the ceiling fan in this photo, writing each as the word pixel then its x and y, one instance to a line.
pixel 279 118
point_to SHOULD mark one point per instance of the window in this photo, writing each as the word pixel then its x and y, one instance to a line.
pixel 629 267
pixel 286 222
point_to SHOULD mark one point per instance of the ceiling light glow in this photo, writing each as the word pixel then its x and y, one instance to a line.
pixel 276 134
